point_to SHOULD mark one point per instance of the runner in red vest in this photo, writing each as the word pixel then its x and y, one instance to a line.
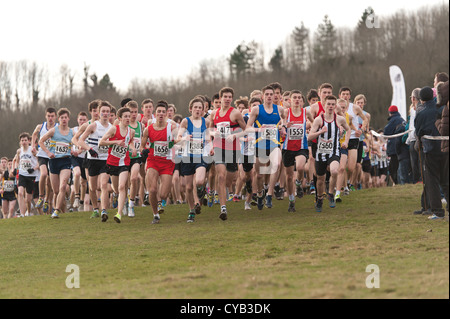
pixel 119 139
pixel 160 165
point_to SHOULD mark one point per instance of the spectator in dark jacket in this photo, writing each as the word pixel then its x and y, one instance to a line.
pixel 404 162
pixel 394 120
pixel 436 162
pixel 442 122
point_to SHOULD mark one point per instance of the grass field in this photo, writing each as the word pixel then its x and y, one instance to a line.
pixel 254 254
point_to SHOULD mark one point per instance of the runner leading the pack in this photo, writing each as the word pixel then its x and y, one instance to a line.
pixel 326 129
pixel 160 165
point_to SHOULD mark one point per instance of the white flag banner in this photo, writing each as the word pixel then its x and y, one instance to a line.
pixel 399 91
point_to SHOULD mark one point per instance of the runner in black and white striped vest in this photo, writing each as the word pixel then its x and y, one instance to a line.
pixel 326 129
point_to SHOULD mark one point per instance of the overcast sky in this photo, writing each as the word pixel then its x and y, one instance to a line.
pixel 154 39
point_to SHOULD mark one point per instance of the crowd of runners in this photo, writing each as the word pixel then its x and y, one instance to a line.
pixel 272 145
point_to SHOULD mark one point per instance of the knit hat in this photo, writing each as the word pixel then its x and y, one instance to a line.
pixel 426 94
pixel 393 109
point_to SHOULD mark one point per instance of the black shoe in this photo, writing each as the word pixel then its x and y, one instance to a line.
pixel 198 209
pixel 291 208
pixel 427 212
pixel 418 212
pixel 300 192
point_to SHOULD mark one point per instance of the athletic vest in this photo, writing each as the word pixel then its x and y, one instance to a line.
pixel 95 138
pixel 248 148
pixel 42 132
pixel 9 181
pixel 270 137
pixel 61 145
pixel 328 142
pixel 76 148
pixel 161 143
pixel 296 138
pixel 354 119
pixel 347 119
pixel 225 127
pixel 321 110
pixel 119 155
pixel 137 138
pixel 197 146
pixel 26 161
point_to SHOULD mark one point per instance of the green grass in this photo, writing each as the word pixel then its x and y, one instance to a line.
pixel 254 254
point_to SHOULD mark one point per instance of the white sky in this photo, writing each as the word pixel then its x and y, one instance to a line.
pixel 154 39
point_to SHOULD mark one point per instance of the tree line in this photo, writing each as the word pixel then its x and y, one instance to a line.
pixel 359 57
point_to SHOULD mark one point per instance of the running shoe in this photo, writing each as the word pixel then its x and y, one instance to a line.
pixel 247 206
pixel 291 208
pixel 277 191
pixel 191 218
pixel 117 218
pixel 223 214
pixel 76 203
pixel 39 203
pixel 146 200
pixel 55 214
pixel 299 191
pixel 131 212
pixel 95 214
pixel 260 201
pixel 352 188
pixel 201 193
pixel 346 191
pixel 104 215
pixel 331 200
pixel 198 208
pixel 269 201
pixel 337 198
pixel 155 219
pixel 312 190
pixel 434 217
pixel 254 201
pixel 230 197
pixel 45 207
pixel 210 199
pixel 163 203
pixel 216 199
pixel 318 205
pixel 160 208
pixel 115 200
pixel 282 191
pixel 359 186
pixel 236 198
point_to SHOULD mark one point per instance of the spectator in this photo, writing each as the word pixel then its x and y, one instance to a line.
pixel 394 121
pixel 402 150
pixel 435 160
pixel 442 122
pixel 411 138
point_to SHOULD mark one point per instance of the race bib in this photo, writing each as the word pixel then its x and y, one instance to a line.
pixel 161 148
pixel 8 186
pixel 224 129
pixel 325 146
pixel 61 148
pixel 119 151
pixel 196 146
pixel 295 132
pixel 103 149
pixel 47 143
pixel 270 132
pixel 25 164
pixel 137 143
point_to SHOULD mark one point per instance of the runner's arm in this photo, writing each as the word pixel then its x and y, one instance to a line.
pixel 45 137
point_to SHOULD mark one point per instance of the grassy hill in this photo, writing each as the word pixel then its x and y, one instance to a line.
pixel 254 254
